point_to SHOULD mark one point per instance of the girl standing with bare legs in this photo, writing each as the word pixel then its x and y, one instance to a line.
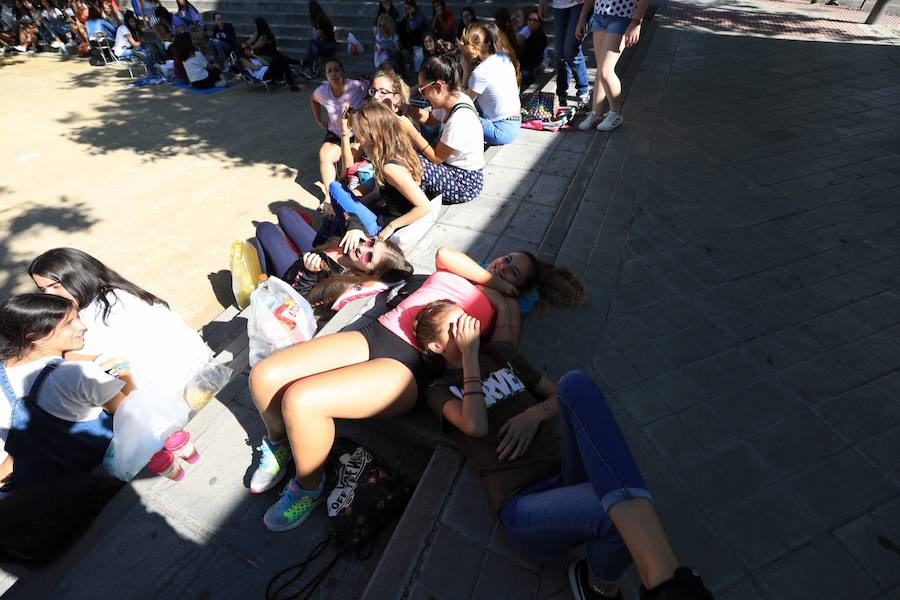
pixel 615 24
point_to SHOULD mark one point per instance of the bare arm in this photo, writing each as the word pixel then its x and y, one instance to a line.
pixel 316 111
pixel 6 469
pixel 469 415
pixel 400 178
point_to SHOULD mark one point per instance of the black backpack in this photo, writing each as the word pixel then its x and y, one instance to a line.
pixel 366 496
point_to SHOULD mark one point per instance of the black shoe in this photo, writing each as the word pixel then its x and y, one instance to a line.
pixel 562 100
pixel 580 583
pixel 684 585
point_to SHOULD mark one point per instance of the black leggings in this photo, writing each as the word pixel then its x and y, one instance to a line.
pixel 211 79
pixel 279 68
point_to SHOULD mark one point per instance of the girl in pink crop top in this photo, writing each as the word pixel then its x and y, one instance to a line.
pixel 440 285
pixel 300 390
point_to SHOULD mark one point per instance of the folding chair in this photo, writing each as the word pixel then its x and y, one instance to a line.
pixel 100 41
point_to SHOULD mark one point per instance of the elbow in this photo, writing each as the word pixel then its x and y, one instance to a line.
pixel 477 429
pixel 441 256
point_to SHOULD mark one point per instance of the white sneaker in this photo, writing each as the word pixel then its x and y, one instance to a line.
pixel 20 48
pixel 590 121
pixel 610 121
pixel 221 83
pixel 56 44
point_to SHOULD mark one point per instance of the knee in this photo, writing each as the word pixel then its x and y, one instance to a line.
pixel 285 214
pixel 301 399
pixel 266 231
pixel 575 388
pixel 266 377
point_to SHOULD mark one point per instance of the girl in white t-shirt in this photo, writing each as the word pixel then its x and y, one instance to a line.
pixel 454 166
pixel 491 71
pixel 123 319
pixel 55 415
pixel 332 95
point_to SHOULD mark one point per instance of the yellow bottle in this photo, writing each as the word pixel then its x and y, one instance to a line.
pixel 245 271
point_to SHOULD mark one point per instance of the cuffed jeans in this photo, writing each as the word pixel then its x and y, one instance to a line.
pixel 569 55
pixel 499 133
pixel 550 517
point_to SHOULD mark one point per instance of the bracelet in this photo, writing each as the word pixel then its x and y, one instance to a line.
pixel 471 379
pixel 472 394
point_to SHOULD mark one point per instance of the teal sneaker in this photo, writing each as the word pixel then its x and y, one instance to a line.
pixel 273 462
pixel 294 507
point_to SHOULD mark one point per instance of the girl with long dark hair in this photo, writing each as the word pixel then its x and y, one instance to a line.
pixel 55 415
pixel 200 73
pixel 442 20
pixel 323 44
pixel 122 318
pixel 130 42
pixel 454 166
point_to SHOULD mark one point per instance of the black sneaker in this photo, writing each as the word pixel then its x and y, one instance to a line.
pixel 684 585
pixel 580 583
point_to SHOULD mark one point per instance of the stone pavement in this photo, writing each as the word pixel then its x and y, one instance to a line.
pixel 739 236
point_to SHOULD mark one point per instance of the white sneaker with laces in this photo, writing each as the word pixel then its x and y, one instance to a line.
pixel 610 121
pixel 590 121
pixel 56 44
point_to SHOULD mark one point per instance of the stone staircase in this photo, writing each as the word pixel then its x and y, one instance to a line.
pixel 289 21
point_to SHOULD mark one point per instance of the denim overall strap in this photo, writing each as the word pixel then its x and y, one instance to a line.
pixel 7 386
pixel 31 398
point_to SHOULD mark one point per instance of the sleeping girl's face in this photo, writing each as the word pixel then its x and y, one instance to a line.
pixel 52 287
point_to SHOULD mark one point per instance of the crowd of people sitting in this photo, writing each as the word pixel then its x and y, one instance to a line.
pixel 72 354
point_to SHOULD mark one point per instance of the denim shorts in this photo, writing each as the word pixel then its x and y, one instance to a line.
pixel 609 24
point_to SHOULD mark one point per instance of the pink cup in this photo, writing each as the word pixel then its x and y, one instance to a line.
pixel 164 463
pixel 179 444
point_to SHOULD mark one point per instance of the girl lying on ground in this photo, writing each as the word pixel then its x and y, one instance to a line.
pixel 376 371
pixel 393 201
pixel 551 494
pixel 123 319
pixel 322 273
pixel 527 282
pixel 454 167
pixel 55 415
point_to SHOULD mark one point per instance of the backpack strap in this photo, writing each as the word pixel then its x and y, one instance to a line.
pixel 41 378
pixel 312 585
pixel 458 106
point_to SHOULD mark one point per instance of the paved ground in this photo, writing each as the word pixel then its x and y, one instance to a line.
pixel 155 181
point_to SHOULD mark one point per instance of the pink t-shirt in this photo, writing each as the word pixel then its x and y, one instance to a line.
pixel 439 286
pixel 355 93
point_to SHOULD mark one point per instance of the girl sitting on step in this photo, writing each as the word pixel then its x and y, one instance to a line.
pixel 55 414
pixel 553 490
pixel 454 167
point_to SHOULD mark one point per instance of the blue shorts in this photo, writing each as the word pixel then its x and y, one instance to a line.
pixel 609 24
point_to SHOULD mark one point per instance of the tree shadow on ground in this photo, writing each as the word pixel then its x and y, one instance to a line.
pixel 70 217
pixel 235 125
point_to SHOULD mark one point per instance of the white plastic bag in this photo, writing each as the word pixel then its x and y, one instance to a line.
pixel 354 46
pixel 279 317
pixel 140 426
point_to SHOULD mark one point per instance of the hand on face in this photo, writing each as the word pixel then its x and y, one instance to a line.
pixel 466 332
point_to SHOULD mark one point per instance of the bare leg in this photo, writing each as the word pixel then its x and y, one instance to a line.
pixel 381 387
pixel 274 374
pixel 607 58
pixel 639 526
pixel 329 155
pixel 599 93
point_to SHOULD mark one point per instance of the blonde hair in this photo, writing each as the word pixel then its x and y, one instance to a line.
pixel 374 122
pixel 493 41
pixel 400 86
pixel 385 19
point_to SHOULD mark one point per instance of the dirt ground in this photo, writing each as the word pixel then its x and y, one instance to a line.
pixel 154 181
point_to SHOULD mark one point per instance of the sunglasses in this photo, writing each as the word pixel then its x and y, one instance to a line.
pixel 422 88
pixel 380 92
pixel 369 256
pixel 533 20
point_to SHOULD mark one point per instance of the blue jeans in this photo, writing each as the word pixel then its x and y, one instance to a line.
pixel 499 133
pixel 145 57
pixel 220 49
pixel 550 517
pixel 568 51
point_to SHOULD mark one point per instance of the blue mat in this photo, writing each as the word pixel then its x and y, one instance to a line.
pixel 212 90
